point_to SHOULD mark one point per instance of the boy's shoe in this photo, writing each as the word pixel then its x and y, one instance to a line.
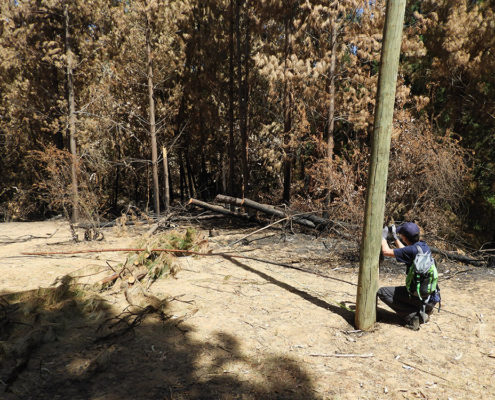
pixel 424 317
pixel 413 324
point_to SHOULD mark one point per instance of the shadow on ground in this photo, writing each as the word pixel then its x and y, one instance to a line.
pixel 342 311
pixel 61 343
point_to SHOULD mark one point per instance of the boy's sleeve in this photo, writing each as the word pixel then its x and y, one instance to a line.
pixel 403 255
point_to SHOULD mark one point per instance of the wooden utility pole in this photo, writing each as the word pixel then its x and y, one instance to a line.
pixel 71 118
pixel 377 177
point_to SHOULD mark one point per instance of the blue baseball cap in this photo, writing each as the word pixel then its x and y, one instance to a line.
pixel 408 229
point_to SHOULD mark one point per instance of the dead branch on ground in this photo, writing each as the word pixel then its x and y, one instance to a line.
pixel 189 252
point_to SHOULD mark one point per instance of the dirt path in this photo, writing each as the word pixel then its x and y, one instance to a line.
pixel 244 329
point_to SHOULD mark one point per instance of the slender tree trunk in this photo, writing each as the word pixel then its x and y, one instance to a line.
pixel 182 178
pixel 117 172
pixel 231 101
pixel 331 111
pixel 243 108
pixel 179 121
pixel 59 136
pixel 154 149
pixel 148 188
pixel 71 118
pixel 287 110
pixel 190 176
pixel 203 187
pixel 170 184
pixel 136 189
pixel 242 99
pixel 224 175
pixel 166 193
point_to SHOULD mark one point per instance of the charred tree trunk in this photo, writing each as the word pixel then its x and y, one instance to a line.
pixel 217 209
pixel 182 178
pixel 178 128
pixel 166 193
pixel 170 184
pixel 331 111
pixel 59 136
pixel 242 100
pixel 190 176
pixel 71 118
pixel 203 184
pixel 117 172
pixel 231 102
pixel 243 108
pixel 154 149
pixel 267 209
pixel 287 110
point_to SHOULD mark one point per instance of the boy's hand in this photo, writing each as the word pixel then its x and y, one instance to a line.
pixel 394 232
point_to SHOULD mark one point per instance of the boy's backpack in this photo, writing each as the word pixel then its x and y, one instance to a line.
pixel 422 277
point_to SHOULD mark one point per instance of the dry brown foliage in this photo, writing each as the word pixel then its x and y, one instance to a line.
pixel 428 176
pixel 54 185
pixel 427 179
pixel 347 184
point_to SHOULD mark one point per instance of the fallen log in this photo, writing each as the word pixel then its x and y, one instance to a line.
pixel 307 219
pixel 110 224
pixel 218 209
pixel 267 209
pixel 458 257
pixel 161 222
pixel 228 200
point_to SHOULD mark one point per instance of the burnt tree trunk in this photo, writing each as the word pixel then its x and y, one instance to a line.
pixel 267 209
pixel 117 172
pixel 166 192
pixel 190 176
pixel 287 110
pixel 242 95
pixel 231 146
pixel 182 178
pixel 151 100
pixel 71 118
pixel 218 209
pixel 331 112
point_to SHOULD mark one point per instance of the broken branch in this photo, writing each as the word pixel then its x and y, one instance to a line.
pixel 342 355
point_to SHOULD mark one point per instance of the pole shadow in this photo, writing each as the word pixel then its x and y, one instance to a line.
pixel 347 315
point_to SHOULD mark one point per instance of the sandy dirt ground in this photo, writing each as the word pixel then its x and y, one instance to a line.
pixel 246 329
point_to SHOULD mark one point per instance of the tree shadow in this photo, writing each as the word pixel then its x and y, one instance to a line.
pixel 55 344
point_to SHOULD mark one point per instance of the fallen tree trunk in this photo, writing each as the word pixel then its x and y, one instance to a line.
pixel 110 224
pixel 267 209
pixel 218 209
pixel 458 257
pixel 228 200
pixel 306 218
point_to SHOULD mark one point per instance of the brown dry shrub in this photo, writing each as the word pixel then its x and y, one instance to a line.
pixel 428 176
pixel 427 179
pixel 54 184
pixel 344 182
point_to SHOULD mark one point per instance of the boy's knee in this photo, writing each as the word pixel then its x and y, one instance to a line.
pixel 383 292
